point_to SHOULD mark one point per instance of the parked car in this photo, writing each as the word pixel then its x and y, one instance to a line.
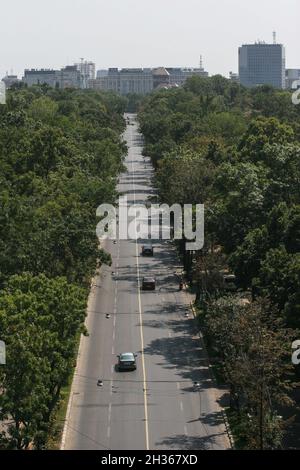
pixel 127 361
pixel 149 283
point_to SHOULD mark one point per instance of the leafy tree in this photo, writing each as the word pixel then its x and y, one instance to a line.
pixel 255 356
pixel 60 154
pixel 279 277
pixel 236 150
pixel 261 132
pixel 40 319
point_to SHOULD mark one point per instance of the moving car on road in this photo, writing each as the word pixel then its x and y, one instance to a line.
pixel 127 361
pixel 147 250
pixel 149 283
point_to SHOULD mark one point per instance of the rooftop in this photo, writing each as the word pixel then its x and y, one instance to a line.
pixel 161 71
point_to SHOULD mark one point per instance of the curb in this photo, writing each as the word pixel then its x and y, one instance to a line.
pixel 225 419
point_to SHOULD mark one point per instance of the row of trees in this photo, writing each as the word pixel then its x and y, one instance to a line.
pixel 60 155
pixel 238 152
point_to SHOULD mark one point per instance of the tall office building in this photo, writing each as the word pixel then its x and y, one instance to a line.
pixel 262 64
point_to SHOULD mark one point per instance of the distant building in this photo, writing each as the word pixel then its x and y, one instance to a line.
pixel 178 76
pixel 124 81
pixel 107 80
pixel 102 73
pixel 40 77
pixel 87 70
pixel 67 77
pixel 262 64
pixel 113 80
pixel 10 80
pixel 138 81
pixel 70 77
pixel 234 77
pixel 292 76
pixel 161 77
pixel 142 80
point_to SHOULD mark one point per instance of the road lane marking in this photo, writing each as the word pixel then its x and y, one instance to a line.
pixel 143 356
pixel 115 318
pixel 182 410
pixel 141 322
pixel 109 421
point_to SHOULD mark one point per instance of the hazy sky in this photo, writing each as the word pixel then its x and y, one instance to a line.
pixel 142 33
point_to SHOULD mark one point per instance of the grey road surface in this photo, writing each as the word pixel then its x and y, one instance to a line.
pixel 157 406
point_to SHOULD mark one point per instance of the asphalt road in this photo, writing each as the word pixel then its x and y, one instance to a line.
pixel 157 406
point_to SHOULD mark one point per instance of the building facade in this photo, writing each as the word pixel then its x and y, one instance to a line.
pixel 142 81
pixel 107 80
pixel 234 77
pixel 292 78
pixel 102 73
pixel 67 77
pixel 40 77
pixel 70 77
pixel 178 76
pixel 139 81
pixel 87 70
pixel 122 81
pixel 10 80
pixel 262 64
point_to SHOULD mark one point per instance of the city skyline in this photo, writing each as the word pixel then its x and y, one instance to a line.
pixel 49 36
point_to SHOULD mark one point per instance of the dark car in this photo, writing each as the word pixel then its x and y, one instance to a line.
pixel 147 250
pixel 127 361
pixel 149 283
pixel 229 281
